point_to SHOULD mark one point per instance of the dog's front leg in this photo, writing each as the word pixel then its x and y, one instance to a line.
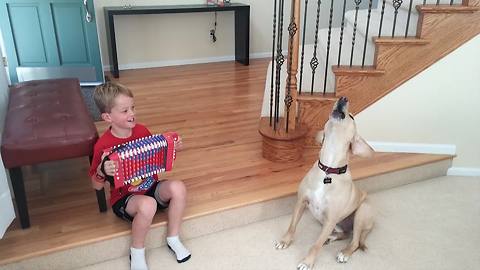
pixel 309 261
pixel 297 214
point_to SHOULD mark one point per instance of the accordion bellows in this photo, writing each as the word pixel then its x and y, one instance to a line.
pixel 142 158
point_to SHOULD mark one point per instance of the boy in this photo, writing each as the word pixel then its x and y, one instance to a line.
pixel 136 204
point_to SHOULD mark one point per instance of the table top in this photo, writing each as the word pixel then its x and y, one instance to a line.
pixel 120 10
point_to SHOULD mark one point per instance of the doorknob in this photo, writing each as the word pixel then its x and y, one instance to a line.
pixel 88 17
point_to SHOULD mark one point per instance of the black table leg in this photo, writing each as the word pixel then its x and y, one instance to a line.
pixel 242 35
pixel 20 196
pixel 111 44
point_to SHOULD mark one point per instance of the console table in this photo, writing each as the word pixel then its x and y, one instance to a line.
pixel 242 26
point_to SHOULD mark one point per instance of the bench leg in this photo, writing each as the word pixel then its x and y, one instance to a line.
pixel 20 196
pixel 102 201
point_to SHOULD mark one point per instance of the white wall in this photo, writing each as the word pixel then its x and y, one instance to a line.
pixel 168 39
pixel 440 106
pixel 7 213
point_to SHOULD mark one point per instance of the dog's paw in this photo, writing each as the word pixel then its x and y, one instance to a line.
pixel 342 258
pixel 281 244
pixel 304 266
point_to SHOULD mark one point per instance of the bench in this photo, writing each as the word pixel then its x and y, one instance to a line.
pixel 46 120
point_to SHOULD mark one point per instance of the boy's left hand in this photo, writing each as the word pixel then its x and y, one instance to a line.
pixel 178 144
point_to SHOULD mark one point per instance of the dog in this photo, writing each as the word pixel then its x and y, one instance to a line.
pixel 328 191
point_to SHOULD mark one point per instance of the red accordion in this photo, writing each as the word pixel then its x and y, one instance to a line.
pixel 141 158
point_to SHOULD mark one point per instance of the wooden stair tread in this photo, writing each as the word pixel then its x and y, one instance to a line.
pixel 400 40
pixel 446 9
pixel 358 71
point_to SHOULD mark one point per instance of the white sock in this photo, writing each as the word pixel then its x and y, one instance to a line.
pixel 137 259
pixel 178 248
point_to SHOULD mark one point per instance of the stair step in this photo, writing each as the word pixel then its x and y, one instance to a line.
pixel 358 71
pixel 447 9
pixel 390 170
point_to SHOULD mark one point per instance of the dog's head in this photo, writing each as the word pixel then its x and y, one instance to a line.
pixel 340 135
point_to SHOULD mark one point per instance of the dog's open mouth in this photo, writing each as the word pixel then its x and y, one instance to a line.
pixel 339 111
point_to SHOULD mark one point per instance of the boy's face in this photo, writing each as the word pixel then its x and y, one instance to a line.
pixel 122 114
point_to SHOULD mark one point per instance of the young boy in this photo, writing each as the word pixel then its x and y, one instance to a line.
pixel 136 204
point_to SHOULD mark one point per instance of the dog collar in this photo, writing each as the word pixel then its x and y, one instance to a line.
pixel 329 170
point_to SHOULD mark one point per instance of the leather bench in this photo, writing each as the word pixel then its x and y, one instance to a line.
pixel 46 120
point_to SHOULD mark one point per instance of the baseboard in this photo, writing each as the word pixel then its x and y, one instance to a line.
pixel 440 149
pixel 185 61
pixel 463 171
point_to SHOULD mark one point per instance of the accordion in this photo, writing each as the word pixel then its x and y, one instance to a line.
pixel 141 158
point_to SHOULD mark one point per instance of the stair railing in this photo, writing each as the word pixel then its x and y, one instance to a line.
pixel 287 120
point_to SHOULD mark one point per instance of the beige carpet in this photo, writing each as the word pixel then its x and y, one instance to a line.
pixel 433 224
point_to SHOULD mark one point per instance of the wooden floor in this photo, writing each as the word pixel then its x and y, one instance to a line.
pixel 216 108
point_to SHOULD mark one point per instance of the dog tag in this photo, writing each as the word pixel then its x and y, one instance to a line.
pixel 327 180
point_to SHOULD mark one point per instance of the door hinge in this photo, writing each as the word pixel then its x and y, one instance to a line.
pixel 4 61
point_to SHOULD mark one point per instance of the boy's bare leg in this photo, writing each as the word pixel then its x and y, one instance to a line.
pixel 174 191
pixel 142 208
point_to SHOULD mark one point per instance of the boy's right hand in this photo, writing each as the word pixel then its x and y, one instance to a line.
pixel 109 166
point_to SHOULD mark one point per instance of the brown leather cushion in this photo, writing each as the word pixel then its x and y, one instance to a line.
pixel 46 120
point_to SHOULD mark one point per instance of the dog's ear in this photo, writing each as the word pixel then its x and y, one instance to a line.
pixel 360 147
pixel 320 136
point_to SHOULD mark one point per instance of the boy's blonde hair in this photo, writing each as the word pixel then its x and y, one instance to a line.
pixel 105 95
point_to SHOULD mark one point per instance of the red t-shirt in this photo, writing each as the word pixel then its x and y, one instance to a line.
pixel 108 140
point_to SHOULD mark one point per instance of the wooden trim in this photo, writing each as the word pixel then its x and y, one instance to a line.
pixel 400 41
pixel 446 9
pixel 357 71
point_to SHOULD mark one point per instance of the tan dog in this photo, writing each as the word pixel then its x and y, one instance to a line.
pixel 328 191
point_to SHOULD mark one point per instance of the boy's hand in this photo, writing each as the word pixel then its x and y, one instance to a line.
pixel 109 166
pixel 178 144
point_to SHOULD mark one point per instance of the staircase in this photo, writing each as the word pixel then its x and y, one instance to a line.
pixel 433 32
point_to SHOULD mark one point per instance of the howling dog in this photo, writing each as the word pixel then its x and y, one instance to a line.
pixel 329 193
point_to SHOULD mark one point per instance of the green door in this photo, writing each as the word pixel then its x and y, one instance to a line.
pixel 47 39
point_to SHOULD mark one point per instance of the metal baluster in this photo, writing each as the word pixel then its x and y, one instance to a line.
pixel 408 18
pixel 381 19
pixel 396 5
pixel 451 2
pixel 438 2
pixel 341 33
pixel 280 59
pixel 357 3
pixel 366 33
pixel 292 30
pixel 314 61
pixel 303 45
pixel 273 57
pixel 328 47
pixel 424 2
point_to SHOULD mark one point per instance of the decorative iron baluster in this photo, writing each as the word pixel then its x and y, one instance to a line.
pixel 328 47
pixel 292 30
pixel 273 58
pixel 314 61
pixel 381 19
pixel 396 6
pixel 357 5
pixel 280 59
pixel 408 18
pixel 303 45
pixel 341 33
pixel 366 32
